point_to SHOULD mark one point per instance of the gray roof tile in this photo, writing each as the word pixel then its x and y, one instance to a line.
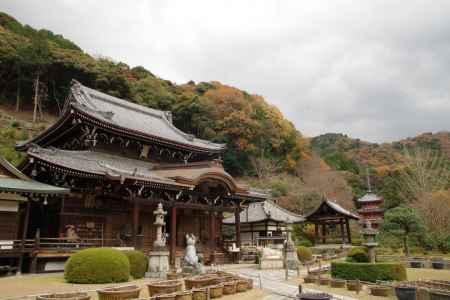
pixel 267 210
pixel 128 115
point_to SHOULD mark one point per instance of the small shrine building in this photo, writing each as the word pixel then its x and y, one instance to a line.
pixel 263 222
pixel 329 216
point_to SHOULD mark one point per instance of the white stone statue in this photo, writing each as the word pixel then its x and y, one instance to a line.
pixel 190 256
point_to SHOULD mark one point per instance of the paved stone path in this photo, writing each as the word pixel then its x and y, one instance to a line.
pixel 274 280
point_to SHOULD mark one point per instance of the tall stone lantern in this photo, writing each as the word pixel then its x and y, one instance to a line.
pixel 158 265
pixel 370 242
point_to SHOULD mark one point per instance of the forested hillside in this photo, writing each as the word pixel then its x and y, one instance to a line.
pixel 37 67
pixel 386 162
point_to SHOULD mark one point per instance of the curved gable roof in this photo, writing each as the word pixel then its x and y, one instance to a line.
pixel 14 181
pixel 123 116
pixel 267 210
pixel 327 207
pixel 135 117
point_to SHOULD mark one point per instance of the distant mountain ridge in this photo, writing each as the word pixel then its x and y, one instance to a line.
pixel 346 153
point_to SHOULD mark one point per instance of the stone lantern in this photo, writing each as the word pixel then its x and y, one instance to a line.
pixel 370 234
pixel 158 265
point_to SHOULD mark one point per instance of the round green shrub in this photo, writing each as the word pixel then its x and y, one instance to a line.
pixel 358 254
pixel 368 271
pixel 138 263
pixel 305 243
pixel 97 265
pixel 304 254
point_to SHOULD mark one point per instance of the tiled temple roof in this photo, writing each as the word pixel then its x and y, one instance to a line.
pixel 125 114
pixel 328 207
pixel 14 181
pixel 103 165
pixel 98 164
pixel 122 117
pixel 370 197
pixel 267 210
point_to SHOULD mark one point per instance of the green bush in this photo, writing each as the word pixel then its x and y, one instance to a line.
pixel 368 271
pixel 138 263
pixel 97 265
pixel 357 242
pixel 358 254
pixel 305 243
pixel 304 254
pixel 279 189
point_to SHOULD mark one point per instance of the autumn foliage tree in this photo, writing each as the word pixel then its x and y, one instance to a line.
pixel 252 129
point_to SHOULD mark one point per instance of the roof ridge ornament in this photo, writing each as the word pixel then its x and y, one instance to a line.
pixel 168 115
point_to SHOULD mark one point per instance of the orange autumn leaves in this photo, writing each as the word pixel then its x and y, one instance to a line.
pixel 254 126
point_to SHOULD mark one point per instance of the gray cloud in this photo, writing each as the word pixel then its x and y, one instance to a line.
pixel 378 70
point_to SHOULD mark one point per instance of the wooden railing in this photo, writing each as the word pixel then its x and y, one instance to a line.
pixel 10 245
pixel 42 244
pixel 265 241
pixel 63 243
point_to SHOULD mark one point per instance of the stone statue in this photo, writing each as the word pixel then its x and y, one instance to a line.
pixel 191 257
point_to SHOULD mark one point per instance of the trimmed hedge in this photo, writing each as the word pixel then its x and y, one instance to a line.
pixel 305 243
pixel 368 271
pixel 358 254
pixel 304 254
pixel 97 265
pixel 138 263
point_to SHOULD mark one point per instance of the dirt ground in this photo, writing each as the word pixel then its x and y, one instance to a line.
pixel 28 286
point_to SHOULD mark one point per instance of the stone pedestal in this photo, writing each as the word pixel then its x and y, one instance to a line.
pixel 291 258
pixel 158 265
pixel 292 262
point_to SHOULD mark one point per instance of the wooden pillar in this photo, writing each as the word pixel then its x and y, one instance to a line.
pixel 173 235
pixel 37 245
pixel 324 233
pixel 253 238
pixel 349 237
pixel 316 233
pixel 341 223
pixel 212 237
pixel 136 213
pixel 237 218
pixel 24 237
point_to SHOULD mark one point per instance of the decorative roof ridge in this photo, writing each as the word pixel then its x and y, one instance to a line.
pixel 282 208
pixel 189 165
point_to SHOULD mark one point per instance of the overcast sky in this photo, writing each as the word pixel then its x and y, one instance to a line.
pixel 377 70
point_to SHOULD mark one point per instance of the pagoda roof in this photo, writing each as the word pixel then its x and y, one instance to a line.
pixel 127 118
pixel 264 211
pixel 94 164
pixel 370 197
pixel 331 210
pixel 14 181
